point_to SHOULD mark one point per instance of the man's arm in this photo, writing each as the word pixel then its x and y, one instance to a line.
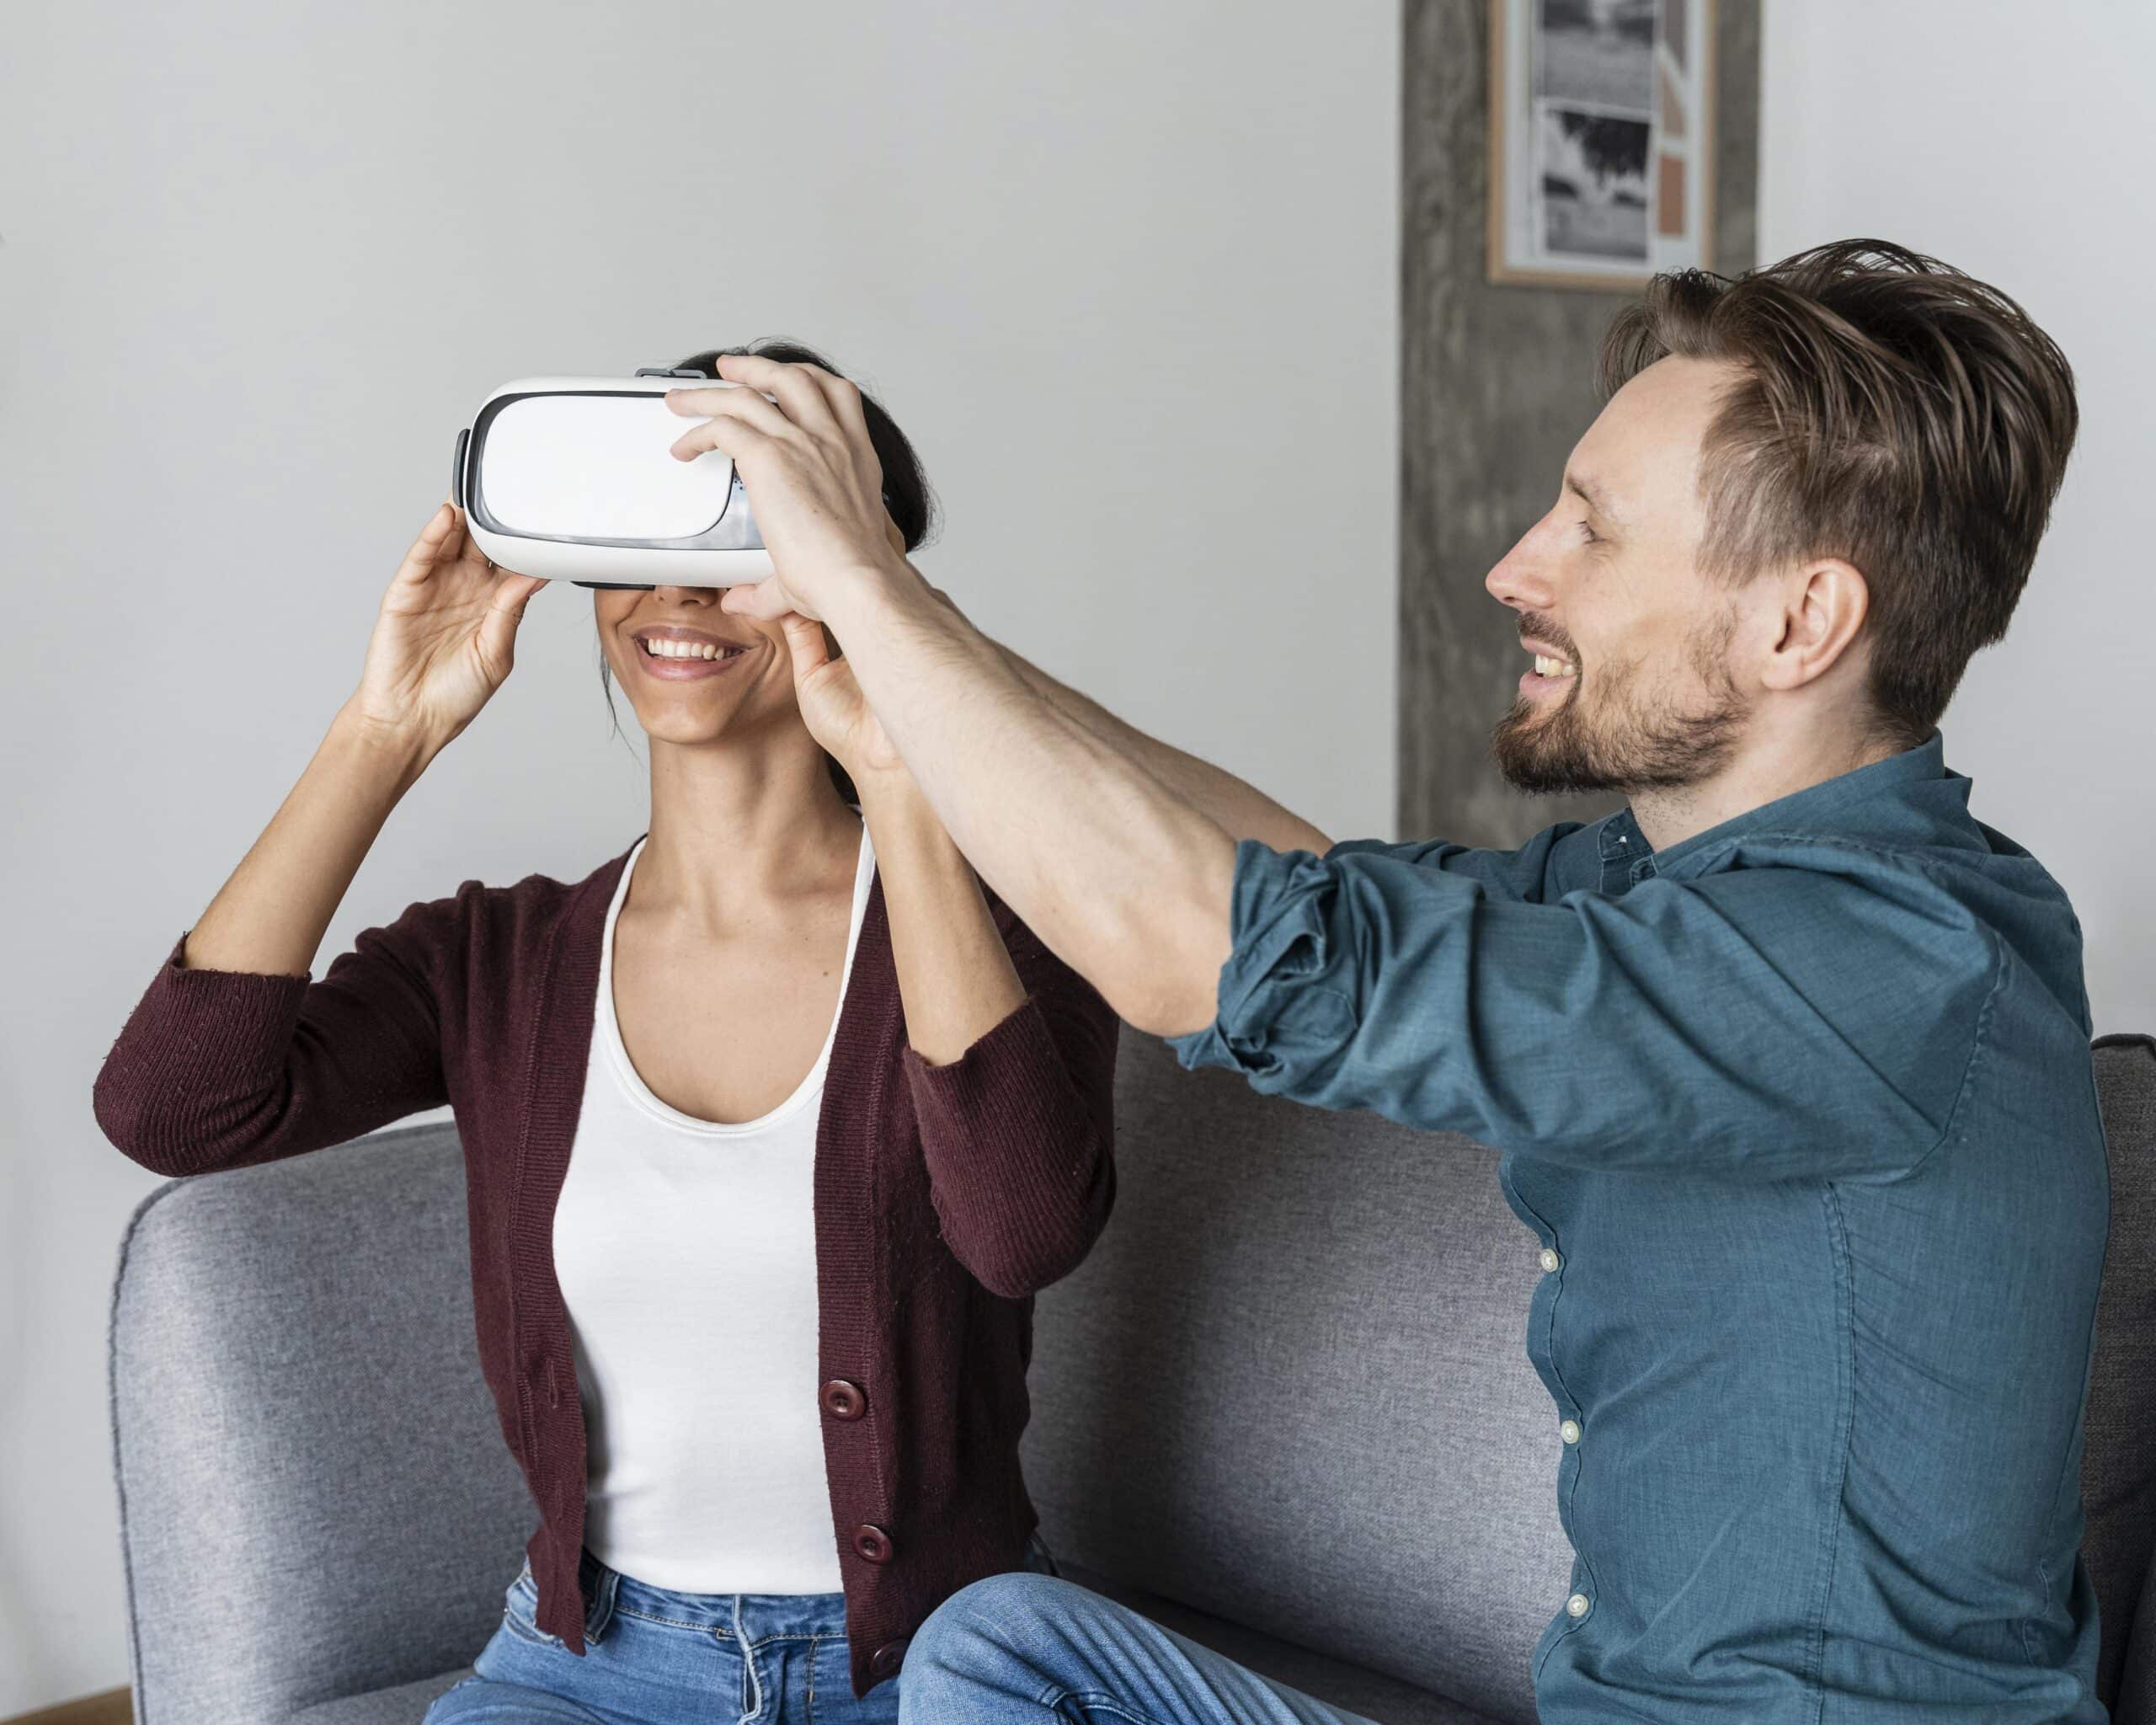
pixel 1241 810
pixel 1108 858
pixel 1119 874
pixel 1816 1012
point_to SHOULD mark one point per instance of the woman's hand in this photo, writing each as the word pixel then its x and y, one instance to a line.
pixel 832 705
pixel 444 640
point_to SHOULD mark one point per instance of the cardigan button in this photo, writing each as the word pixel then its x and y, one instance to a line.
pixel 872 1543
pixel 885 1661
pixel 844 1400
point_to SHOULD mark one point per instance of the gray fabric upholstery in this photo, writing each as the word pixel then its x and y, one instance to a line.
pixel 2137 1698
pixel 297 1402
pixel 1289 1388
pixel 2118 1471
pixel 1284 1409
pixel 406 1704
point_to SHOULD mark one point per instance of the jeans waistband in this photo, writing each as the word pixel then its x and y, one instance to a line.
pixel 756 1617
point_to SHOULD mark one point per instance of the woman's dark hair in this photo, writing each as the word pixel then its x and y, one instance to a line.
pixel 906 495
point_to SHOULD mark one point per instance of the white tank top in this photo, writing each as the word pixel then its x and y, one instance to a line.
pixel 686 1253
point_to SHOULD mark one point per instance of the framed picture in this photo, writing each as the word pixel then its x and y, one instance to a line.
pixel 1601 139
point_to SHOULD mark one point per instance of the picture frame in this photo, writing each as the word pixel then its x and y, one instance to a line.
pixel 1602 135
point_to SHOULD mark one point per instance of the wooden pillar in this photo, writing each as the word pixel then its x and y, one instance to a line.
pixel 1496 385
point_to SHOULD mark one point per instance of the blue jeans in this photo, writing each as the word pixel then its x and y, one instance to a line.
pixel 655 1657
pixel 1032 1650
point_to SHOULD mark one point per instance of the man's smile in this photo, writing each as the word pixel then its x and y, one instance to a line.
pixel 1551 670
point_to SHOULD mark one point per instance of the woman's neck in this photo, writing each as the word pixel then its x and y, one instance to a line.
pixel 741 825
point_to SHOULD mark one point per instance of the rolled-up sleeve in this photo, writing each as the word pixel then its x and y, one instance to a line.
pixel 1774 1021
pixel 1281 1002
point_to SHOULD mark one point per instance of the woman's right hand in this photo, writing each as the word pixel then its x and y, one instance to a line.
pixel 446 639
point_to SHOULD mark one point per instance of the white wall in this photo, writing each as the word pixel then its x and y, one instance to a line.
pixel 1125 270
pixel 2008 139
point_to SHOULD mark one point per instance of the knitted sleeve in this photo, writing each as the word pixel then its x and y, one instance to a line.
pixel 220 1069
pixel 1019 1132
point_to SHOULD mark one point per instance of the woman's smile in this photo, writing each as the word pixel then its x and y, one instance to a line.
pixel 673 653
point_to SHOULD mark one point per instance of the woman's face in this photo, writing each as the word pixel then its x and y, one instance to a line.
pixel 692 672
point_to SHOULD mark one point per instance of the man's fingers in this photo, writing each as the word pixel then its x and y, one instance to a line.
pixel 765 599
pixel 844 397
pixel 745 404
pixel 798 390
pixel 732 433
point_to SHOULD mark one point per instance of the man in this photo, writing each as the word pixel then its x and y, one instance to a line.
pixel 1788 1059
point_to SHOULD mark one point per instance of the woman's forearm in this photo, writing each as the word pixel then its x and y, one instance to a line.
pixel 955 976
pixel 270 917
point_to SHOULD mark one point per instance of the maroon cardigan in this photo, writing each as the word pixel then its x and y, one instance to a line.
pixel 944 1197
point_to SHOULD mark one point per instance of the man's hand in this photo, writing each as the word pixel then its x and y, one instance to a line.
pixel 811 473
pixel 1110 847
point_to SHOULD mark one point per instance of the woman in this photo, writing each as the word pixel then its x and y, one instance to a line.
pixel 773 1126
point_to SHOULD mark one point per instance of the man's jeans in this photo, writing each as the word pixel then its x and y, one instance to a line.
pixel 1022 1649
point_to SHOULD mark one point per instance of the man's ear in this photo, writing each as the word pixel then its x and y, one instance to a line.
pixel 1825 602
pixel 892 533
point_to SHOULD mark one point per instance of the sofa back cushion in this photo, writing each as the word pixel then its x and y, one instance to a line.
pixel 1289 1387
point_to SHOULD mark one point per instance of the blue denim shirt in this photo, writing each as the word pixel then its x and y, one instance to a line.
pixel 1802 1114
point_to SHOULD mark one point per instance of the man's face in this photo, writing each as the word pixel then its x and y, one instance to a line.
pixel 1637 689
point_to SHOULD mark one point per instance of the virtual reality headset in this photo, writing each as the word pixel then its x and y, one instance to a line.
pixel 570 478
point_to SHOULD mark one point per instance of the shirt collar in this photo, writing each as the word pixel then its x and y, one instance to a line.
pixel 1827 806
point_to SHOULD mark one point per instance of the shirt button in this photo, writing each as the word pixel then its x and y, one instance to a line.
pixel 872 1544
pixel 1550 1260
pixel 844 1400
pixel 885 1661
pixel 1577 1605
pixel 1569 1431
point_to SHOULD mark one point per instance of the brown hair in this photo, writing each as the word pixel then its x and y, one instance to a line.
pixel 1892 412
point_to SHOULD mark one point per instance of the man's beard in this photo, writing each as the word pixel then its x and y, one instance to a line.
pixel 1631 742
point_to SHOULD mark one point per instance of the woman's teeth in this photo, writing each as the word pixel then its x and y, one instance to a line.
pixel 1545 667
pixel 687 649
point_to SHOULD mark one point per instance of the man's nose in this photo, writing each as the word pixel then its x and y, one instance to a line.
pixel 685 595
pixel 1520 580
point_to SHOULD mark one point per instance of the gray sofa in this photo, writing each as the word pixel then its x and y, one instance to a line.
pixel 1284 1408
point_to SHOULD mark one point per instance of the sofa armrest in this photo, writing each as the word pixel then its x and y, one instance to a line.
pixel 315 1499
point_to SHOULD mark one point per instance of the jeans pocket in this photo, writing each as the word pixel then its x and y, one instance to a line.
pixel 520 1612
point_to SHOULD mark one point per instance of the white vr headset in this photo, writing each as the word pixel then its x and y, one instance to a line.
pixel 570 478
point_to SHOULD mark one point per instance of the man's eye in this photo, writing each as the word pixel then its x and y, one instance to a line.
pixel 1587 535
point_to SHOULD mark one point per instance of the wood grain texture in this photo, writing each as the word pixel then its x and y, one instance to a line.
pixel 1496 385
pixel 114 1706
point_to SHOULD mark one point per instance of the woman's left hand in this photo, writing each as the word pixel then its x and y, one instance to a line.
pixel 837 713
